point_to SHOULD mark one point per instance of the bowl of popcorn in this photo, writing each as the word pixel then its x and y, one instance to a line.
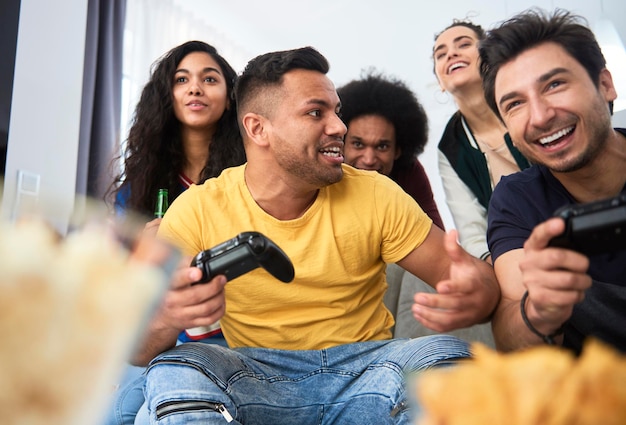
pixel 72 310
pixel 542 385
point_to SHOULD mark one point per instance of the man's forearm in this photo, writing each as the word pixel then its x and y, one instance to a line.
pixel 509 330
pixel 155 342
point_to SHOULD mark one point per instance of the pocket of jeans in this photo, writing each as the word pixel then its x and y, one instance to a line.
pixel 188 406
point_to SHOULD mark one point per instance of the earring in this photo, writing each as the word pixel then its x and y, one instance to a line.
pixel 442 97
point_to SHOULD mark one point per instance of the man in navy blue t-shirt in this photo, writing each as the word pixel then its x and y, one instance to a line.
pixel 546 78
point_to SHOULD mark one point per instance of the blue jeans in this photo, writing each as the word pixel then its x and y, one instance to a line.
pixel 361 383
pixel 128 398
pixel 128 402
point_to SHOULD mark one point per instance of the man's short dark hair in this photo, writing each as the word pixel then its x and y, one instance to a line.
pixel 267 71
pixel 375 94
pixel 530 29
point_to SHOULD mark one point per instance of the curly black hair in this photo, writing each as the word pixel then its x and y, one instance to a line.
pixel 154 155
pixel 377 94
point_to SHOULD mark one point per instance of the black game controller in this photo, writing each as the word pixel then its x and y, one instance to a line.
pixel 595 227
pixel 241 254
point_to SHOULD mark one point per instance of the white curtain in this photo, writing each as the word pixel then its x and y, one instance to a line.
pixel 152 28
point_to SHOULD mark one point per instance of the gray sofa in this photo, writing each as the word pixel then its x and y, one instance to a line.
pixel 399 298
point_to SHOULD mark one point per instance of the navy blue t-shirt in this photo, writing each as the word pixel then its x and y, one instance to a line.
pixel 521 201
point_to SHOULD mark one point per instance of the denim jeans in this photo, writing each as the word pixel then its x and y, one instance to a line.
pixel 128 401
pixel 361 383
pixel 128 398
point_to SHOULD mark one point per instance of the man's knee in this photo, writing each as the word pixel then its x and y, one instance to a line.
pixel 183 393
pixel 430 351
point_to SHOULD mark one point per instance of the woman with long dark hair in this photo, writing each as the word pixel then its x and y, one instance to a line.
pixel 184 131
pixel 475 150
pixel 184 128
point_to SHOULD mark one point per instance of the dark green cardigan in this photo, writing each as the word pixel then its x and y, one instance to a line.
pixel 469 162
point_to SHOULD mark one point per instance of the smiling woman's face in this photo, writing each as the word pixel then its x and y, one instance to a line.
pixel 199 91
pixel 455 55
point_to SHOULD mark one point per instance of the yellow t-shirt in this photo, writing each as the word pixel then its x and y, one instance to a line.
pixel 339 248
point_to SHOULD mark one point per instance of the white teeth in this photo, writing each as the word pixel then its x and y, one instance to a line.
pixel 333 151
pixel 456 65
pixel 557 135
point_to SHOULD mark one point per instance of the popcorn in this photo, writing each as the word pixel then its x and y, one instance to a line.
pixel 542 385
pixel 71 310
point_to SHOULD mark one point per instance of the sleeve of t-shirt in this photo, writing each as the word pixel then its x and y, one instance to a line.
pixel 403 222
pixel 180 226
pixel 509 219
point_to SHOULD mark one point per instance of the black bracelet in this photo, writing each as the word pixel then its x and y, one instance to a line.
pixel 548 339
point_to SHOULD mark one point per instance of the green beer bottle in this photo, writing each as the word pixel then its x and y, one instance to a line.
pixel 162 203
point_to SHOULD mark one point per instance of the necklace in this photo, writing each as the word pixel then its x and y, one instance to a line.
pixel 496 149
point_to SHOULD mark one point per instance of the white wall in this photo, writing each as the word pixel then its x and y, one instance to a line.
pixel 619 119
pixel 45 110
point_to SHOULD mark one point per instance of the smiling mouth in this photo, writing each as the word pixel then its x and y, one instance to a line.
pixel 333 152
pixel 553 138
pixel 456 66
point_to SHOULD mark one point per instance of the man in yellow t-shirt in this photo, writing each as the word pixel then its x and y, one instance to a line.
pixel 338 248
pixel 316 350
